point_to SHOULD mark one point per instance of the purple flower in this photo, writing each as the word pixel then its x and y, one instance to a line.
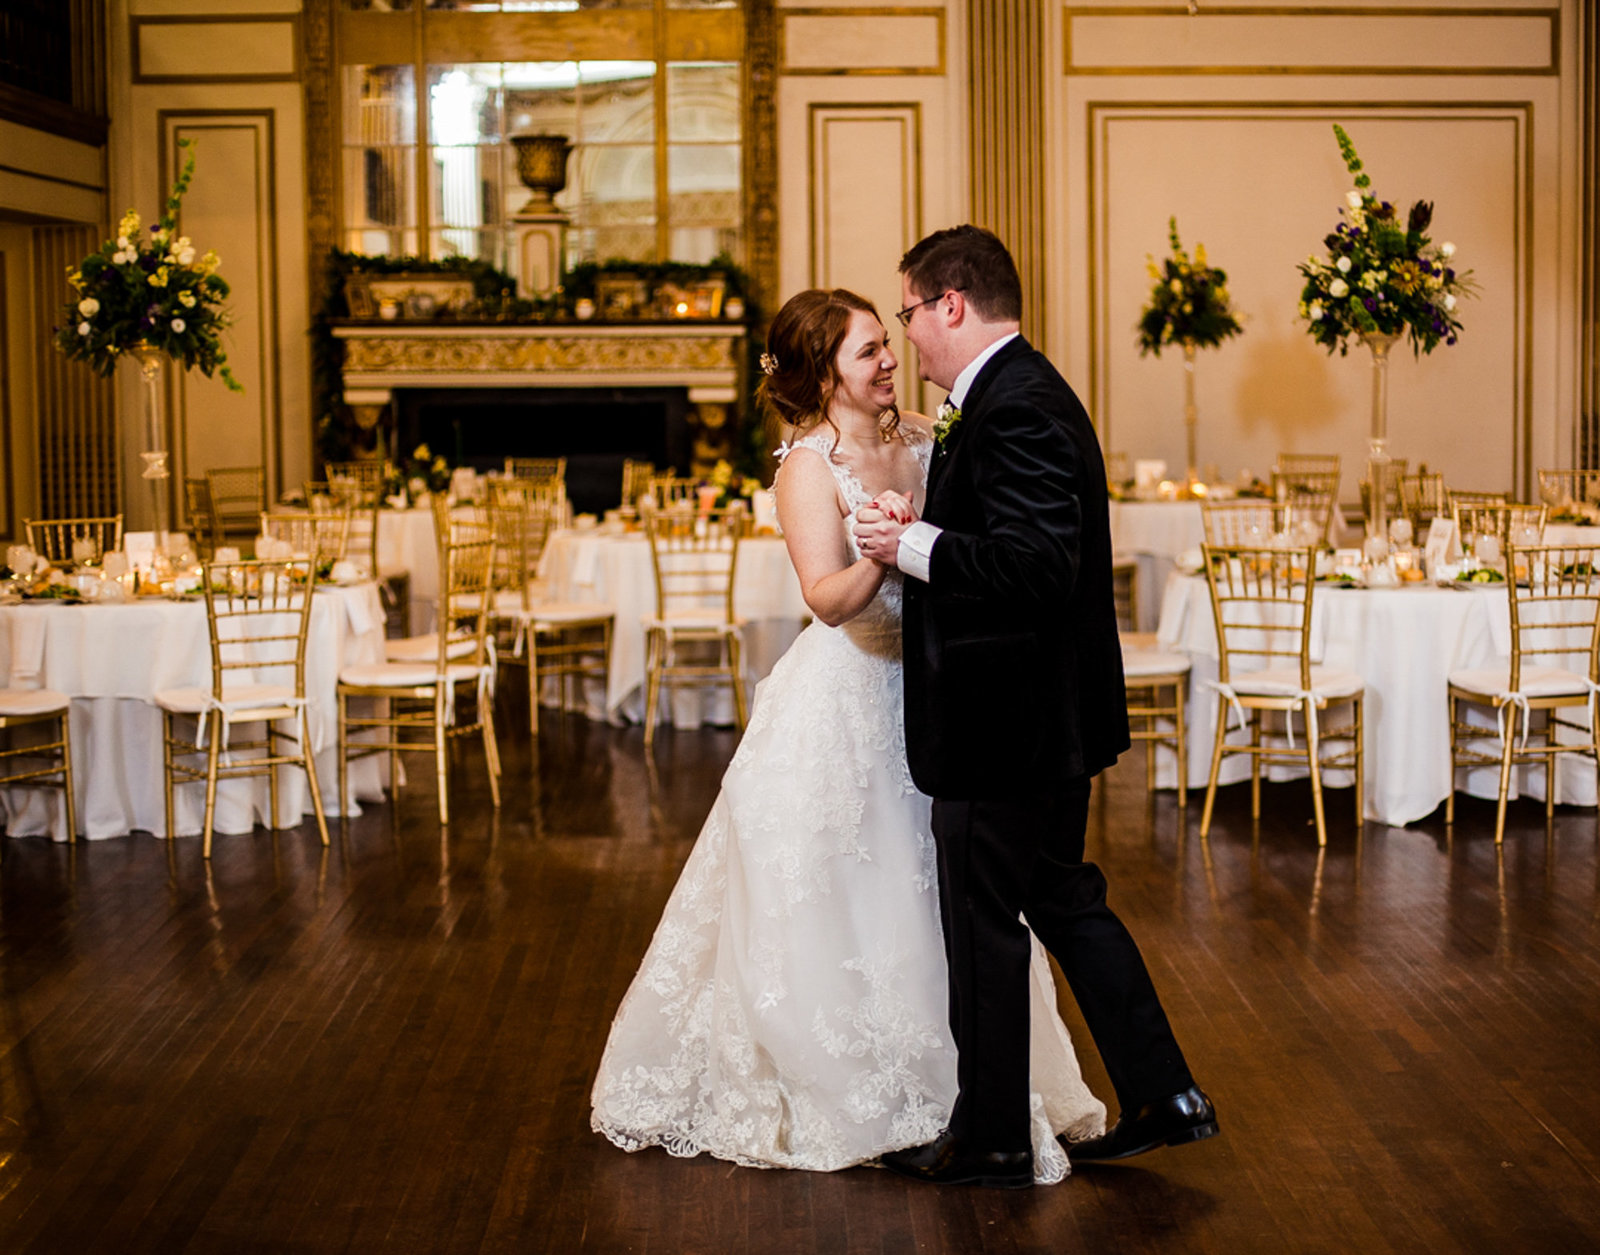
pixel 1371 304
pixel 1449 275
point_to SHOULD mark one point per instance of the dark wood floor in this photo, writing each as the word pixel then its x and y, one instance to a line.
pixel 388 1046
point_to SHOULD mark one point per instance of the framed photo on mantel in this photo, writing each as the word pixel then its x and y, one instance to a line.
pixel 414 296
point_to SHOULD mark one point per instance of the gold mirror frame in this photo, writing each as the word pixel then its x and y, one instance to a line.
pixel 323 228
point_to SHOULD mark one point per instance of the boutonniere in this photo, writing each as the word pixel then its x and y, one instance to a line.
pixel 948 416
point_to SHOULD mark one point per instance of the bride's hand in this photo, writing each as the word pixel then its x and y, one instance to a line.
pixel 895 507
pixel 877 534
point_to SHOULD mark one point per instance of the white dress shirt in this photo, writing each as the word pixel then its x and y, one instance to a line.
pixel 915 554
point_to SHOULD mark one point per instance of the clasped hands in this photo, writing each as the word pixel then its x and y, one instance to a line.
pixel 878 525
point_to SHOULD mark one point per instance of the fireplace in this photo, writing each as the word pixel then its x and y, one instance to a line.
pixel 595 429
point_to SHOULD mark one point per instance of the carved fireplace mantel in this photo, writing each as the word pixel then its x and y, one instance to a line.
pixel 703 358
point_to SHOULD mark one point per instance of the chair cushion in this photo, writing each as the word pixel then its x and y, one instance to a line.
pixel 191 701
pixel 1536 681
pixel 1139 640
pixel 15 702
pixel 567 612
pixel 423 648
pixel 403 674
pixel 1327 683
pixel 708 621
pixel 1145 662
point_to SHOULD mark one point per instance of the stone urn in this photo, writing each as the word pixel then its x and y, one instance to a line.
pixel 542 167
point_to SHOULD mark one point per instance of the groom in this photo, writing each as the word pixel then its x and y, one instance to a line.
pixel 1014 700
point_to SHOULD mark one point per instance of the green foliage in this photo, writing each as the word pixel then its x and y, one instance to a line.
pixel 1189 303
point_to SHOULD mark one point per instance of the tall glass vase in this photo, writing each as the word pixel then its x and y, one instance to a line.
pixel 1377 544
pixel 152 365
pixel 1191 418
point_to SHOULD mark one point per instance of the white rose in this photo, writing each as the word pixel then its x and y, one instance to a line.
pixel 83 328
pixel 1447 250
pixel 1338 288
pixel 178 326
pixel 1449 303
pixel 122 241
pixel 88 307
pixel 1344 265
pixel 1354 198
pixel 1316 311
pixel 186 258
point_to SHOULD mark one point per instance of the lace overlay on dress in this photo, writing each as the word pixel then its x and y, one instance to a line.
pixel 791 1009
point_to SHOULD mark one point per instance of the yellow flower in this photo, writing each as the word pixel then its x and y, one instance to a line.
pixel 1200 255
pixel 186 299
pixel 421 453
pixel 210 261
pixel 159 279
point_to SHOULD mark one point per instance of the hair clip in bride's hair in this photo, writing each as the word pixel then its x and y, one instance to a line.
pixel 769 364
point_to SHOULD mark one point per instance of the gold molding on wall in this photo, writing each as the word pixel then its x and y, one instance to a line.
pixel 909 114
pixel 1099 113
pixel 761 153
pixel 1552 65
pixel 173 124
pixel 938 69
pixel 8 517
pixel 1009 153
pixel 1586 442
pixel 290 20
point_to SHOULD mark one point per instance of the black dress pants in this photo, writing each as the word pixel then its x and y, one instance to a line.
pixel 1023 856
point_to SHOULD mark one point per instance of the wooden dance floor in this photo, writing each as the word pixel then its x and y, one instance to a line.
pixel 388 1046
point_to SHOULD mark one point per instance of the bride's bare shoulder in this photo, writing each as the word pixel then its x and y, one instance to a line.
pixel 921 422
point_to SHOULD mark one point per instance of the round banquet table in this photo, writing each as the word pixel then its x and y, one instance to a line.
pixel 1154 534
pixel 616 570
pixel 1404 642
pixel 111 659
pixel 406 546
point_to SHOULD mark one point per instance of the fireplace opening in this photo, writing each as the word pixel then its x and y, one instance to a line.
pixel 595 429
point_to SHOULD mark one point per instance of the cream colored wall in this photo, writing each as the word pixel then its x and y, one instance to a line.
pixel 224 75
pixel 871 148
pixel 1474 112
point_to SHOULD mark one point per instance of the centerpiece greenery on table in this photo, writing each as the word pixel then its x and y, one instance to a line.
pixel 422 467
pixel 1189 304
pixel 1381 276
pixel 154 292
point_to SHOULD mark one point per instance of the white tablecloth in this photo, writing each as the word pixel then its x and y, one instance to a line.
pixel 1154 533
pixel 588 566
pixel 110 659
pixel 1404 642
pixel 406 545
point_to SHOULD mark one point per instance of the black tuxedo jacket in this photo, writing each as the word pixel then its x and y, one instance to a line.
pixel 1013 670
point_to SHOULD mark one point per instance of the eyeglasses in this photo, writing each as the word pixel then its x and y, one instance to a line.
pixel 904 315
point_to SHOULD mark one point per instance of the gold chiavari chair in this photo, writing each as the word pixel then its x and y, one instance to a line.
pixel 1156 682
pixel 201 517
pixel 425 702
pixel 43 764
pixel 238 496
pixel 636 479
pixel 695 558
pixel 1307 495
pixel 465 523
pixel 1555 645
pixel 1462 496
pixel 366 473
pixel 1506 521
pixel 669 490
pixel 53 538
pixel 321 532
pixel 1423 499
pixel 1243 522
pixel 570 641
pixel 1307 463
pixel 1261 604
pixel 1396 469
pixel 548 473
pixel 257 615
pixel 1562 490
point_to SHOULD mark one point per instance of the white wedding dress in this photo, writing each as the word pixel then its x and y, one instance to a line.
pixel 791 1011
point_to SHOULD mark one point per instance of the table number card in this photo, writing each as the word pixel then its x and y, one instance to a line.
pixel 1443 545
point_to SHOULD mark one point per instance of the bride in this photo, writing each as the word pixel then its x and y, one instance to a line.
pixel 791 1011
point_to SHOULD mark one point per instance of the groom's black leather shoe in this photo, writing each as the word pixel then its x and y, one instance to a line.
pixel 1185 1117
pixel 946 1161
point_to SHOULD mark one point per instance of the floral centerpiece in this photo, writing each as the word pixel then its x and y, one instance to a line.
pixel 1189 303
pixel 1381 276
pixel 422 472
pixel 142 293
pixel 1188 306
pixel 730 485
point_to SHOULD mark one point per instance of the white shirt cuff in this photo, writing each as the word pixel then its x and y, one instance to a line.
pixel 915 554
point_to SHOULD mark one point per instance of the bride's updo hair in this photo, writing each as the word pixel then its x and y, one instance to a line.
pixel 800 374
